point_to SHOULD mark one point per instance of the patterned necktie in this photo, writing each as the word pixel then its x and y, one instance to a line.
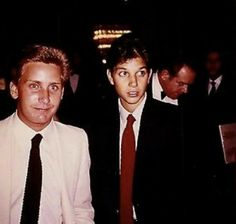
pixel 31 201
pixel 127 171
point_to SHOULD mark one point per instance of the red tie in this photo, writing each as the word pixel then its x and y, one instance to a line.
pixel 127 170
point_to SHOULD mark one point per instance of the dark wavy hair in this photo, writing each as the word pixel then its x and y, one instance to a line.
pixel 126 47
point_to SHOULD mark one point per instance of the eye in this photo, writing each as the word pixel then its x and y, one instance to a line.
pixel 54 87
pixel 180 84
pixel 123 74
pixel 34 86
pixel 142 73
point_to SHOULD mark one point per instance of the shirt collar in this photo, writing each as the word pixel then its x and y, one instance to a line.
pixel 137 113
pixel 217 81
pixel 157 89
pixel 24 131
pixel 156 84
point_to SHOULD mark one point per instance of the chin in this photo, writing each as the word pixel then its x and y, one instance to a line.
pixel 43 119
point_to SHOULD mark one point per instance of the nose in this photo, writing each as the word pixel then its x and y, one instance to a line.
pixel 44 96
pixel 133 81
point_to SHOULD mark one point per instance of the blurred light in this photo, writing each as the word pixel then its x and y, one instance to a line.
pixel 108 34
pixel 102 46
pixel 104 35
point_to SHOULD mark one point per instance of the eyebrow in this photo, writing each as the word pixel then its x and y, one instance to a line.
pixel 143 67
pixel 36 81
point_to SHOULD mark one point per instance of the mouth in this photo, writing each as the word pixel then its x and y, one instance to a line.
pixel 133 93
pixel 42 109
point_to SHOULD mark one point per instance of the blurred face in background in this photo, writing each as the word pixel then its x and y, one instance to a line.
pixel 175 86
pixel 2 84
pixel 213 65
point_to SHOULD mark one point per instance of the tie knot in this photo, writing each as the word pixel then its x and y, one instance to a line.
pixel 213 83
pixel 163 95
pixel 130 119
pixel 36 139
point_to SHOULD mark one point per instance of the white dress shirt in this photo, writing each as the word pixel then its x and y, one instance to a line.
pixel 50 209
pixel 137 115
pixel 157 89
pixel 217 83
pixel 136 125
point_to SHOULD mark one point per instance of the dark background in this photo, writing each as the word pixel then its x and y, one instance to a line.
pixel 188 26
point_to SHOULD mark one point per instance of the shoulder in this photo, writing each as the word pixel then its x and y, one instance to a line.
pixel 72 133
pixel 5 123
pixel 6 128
pixel 72 139
pixel 158 112
pixel 156 106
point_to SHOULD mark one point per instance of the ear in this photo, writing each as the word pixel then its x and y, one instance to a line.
pixel 14 90
pixel 164 75
pixel 109 76
pixel 150 75
pixel 62 93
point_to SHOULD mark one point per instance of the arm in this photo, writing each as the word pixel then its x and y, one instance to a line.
pixel 84 212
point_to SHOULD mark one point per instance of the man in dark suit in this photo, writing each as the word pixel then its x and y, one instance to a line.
pixel 156 189
pixel 213 181
pixel 171 84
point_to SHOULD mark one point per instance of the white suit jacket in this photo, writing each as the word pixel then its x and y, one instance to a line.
pixel 74 172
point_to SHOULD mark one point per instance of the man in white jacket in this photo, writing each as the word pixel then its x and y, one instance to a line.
pixel 65 193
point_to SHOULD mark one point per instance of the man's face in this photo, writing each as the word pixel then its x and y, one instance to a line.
pixel 38 93
pixel 213 64
pixel 175 86
pixel 130 80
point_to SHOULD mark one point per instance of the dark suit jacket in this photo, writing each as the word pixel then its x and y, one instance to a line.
pixel 158 172
pixel 213 182
pixel 76 107
pixel 7 104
